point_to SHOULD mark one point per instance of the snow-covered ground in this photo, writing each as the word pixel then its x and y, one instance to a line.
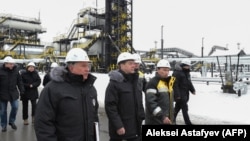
pixel 209 103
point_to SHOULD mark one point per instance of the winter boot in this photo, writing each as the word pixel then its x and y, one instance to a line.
pixel 25 122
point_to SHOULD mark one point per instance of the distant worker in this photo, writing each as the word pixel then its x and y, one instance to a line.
pixel 68 107
pixel 182 86
pixel 123 101
pixel 159 96
pixel 11 86
pixel 46 77
pixel 142 80
pixel 31 81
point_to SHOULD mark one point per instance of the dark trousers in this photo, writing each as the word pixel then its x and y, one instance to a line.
pixel 26 107
pixel 181 105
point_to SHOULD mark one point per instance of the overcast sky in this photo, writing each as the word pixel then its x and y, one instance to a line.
pixel 185 22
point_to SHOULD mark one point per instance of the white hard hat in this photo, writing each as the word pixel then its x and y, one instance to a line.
pixel 31 64
pixel 186 61
pixel 125 56
pixel 8 59
pixel 163 63
pixel 77 55
pixel 137 58
pixel 53 65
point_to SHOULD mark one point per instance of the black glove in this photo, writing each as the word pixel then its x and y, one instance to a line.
pixel 21 96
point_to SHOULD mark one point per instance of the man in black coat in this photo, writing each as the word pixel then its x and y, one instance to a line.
pixel 47 77
pixel 123 101
pixel 67 109
pixel 11 86
pixel 182 86
pixel 142 80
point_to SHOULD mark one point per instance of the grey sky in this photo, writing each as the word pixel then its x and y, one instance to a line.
pixel 185 22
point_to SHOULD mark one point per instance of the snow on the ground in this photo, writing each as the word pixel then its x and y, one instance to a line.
pixel 210 101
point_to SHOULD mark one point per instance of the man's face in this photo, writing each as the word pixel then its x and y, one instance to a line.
pixel 31 68
pixel 9 65
pixel 128 66
pixel 186 67
pixel 163 72
pixel 80 68
pixel 137 65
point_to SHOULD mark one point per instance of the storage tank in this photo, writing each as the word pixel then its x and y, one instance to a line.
pixel 28 49
pixel 18 22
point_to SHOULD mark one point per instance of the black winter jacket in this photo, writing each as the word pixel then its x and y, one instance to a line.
pixel 67 108
pixel 46 78
pixel 11 84
pixel 142 81
pixel 31 93
pixel 183 84
pixel 123 104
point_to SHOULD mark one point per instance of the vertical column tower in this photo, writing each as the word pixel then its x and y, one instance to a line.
pixel 118 30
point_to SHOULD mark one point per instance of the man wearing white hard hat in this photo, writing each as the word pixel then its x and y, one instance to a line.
pixel 142 80
pixel 11 86
pixel 68 108
pixel 158 97
pixel 47 77
pixel 31 81
pixel 183 85
pixel 123 101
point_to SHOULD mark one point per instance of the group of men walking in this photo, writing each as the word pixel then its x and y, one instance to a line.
pixel 67 108
pixel 123 99
pixel 15 82
pixel 163 91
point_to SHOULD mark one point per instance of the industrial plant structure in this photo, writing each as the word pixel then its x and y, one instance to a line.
pixel 104 33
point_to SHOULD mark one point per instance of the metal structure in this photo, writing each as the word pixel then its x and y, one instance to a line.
pixel 19 37
pixel 102 33
pixel 215 47
pixel 86 32
pixel 230 83
pixel 118 30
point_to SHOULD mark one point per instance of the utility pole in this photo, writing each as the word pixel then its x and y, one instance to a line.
pixel 162 42
pixel 202 49
pixel 155 45
pixel 155 50
pixel 202 46
pixel 238 44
